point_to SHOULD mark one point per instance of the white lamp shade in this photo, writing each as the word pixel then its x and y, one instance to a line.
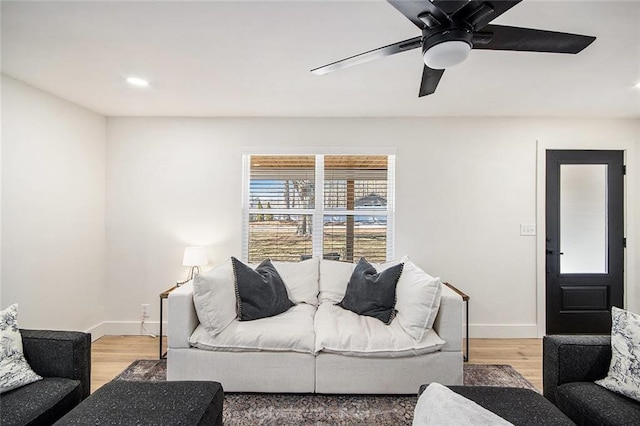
pixel 446 54
pixel 195 256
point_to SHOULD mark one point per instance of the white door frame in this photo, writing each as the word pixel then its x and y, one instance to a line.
pixel 631 215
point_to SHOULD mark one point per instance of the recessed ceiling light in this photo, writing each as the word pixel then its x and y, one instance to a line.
pixel 637 86
pixel 136 81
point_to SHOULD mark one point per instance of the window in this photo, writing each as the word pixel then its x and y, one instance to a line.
pixel 337 206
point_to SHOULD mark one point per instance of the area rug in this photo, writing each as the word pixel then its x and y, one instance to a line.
pixel 277 409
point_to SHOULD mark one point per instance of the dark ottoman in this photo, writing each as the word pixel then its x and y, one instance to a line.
pixel 150 403
pixel 516 405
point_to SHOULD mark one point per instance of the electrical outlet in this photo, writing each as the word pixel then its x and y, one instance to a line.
pixel 527 230
pixel 144 311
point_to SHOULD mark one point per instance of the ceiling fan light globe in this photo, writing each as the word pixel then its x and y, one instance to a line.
pixel 446 54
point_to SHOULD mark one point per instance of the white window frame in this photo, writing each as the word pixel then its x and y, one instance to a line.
pixel 318 212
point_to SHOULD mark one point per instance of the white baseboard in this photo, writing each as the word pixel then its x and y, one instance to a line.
pixel 97 331
pixel 503 331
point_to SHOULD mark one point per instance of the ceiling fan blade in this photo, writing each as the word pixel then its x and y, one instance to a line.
pixel 381 52
pixel 430 80
pixel 411 9
pixel 497 7
pixel 450 6
pixel 532 40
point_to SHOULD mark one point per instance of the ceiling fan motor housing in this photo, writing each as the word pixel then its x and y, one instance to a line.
pixel 443 49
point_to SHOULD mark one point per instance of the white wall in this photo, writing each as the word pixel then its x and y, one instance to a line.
pixel 463 188
pixel 53 209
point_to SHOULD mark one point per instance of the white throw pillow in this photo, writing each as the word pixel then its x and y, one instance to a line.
pixel 417 299
pixel 623 375
pixel 214 297
pixel 382 266
pixel 14 368
pixel 334 277
pixel 301 279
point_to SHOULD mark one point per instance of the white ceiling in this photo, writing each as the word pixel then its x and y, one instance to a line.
pixel 252 58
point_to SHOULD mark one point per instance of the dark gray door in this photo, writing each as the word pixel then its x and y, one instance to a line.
pixel 585 240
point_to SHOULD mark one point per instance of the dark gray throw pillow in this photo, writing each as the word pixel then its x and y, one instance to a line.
pixel 372 293
pixel 260 292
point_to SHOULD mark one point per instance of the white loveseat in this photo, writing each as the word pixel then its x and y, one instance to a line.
pixel 316 346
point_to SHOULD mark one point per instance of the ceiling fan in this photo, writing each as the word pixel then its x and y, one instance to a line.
pixel 451 28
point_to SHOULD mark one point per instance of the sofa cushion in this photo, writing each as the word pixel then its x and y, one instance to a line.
pixel 372 293
pixel 40 403
pixel 214 297
pixel 214 294
pixel 417 299
pixel 344 332
pixel 589 404
pixel 418 294
pixel 14 368
pixel 260 292
pixel 301 279
pixel 623 376
pixel 290 331
pixel 334 276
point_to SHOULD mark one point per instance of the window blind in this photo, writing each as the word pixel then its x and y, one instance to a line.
pixel 355 206
pixel 352 219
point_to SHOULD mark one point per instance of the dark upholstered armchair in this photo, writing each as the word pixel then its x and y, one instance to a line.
pixel 63 359
pixel 570 365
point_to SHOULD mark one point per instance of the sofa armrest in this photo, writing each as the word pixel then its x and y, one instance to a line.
pixel 59 354
pixel 567 359
pixel 182 316
pixel 448 323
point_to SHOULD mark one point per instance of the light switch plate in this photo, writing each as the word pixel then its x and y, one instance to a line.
pixel 527 230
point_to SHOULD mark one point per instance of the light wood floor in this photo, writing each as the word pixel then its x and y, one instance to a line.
pixel 112 354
